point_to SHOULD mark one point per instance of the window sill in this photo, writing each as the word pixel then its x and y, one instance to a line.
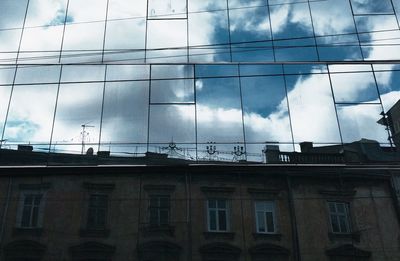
pixel 23 231
pixel 89 232
pixel 355 236
pixel 219 235
pixel 165 230
pixel 266 236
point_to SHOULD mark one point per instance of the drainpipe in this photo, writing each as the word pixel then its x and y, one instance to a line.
pixel 295 236
pixel 5 211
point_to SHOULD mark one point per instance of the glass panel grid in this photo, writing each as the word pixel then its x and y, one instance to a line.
pixel 204 112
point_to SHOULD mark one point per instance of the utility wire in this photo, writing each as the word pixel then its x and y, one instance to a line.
pixel 161 16
pixel 94 52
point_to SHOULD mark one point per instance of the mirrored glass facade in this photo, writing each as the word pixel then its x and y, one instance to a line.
pixel 235 80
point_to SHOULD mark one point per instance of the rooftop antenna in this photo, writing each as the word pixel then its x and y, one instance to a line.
pixel 84 134
pixel 2 141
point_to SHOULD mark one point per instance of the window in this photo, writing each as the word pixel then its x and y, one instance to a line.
pixel 30 211
pixel 265 217
pixel 339 216
pixel 159 210
pixel 97 211
pixel 217 215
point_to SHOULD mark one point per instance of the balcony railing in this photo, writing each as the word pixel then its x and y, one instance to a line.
pixel 310 158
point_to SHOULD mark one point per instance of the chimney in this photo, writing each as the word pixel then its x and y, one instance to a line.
pixel 272 153
pixel 306 147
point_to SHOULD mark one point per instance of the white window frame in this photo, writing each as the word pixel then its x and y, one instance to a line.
pixel 264 211
pixel 89 208
pixel 217 209
pixel 40 211
pixel 158 208
pixel 338 214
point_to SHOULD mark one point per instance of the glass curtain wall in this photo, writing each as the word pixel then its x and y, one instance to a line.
pixel 198 112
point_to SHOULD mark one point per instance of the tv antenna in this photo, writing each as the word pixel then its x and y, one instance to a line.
pixel 84 134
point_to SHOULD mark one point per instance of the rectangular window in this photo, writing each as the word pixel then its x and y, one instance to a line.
pixel 339 216
pixel 159 207
pixel 218 214
pixel 30 211
pixel 97 211
pixel 265 217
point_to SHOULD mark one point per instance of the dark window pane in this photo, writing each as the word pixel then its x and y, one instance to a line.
pixel 332 208
pixel 222 220
pixel 212 220
pixel 343 224
pixel 212 203
pixel 101 218
pixel 97 211
pixel 270 222
pixel 153 216
pixel 335 224
pixel 164 217
pixel 340 208
pixel 28 200
pixel 154 202
pixel 261 221
pixel 222 203
pixel 164 202
pixel 91 217
pixel 37 200
pixel 26 216
pixel 35 214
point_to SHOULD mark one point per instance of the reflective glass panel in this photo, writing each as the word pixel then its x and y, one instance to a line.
pixel 83 42
pixel 219 113
pixel 372 7
pixel 360 122
pixel 37 74
pixel 7 74
pixel 172 91
pixel 125 41
pixel 266 115
pixel 78 117
pixel 31 115
pixel 12 13
pixel 172 123
pixel 354 87
pixel 124 122
pixel 168 45
pixel 312 109
pixel 5 92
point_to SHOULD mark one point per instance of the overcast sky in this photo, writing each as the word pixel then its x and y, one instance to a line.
pixel 257 109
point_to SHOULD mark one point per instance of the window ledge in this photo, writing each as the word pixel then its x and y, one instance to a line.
pixel 23 231
pixel 219 235
pixel 90 232
pixel 265 236
pixel 158 230
pixel 355 236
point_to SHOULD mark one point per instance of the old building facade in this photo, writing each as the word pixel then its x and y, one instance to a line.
pixel 199 213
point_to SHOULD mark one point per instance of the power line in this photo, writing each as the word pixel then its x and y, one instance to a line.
pixel 161 15
pixel 96 52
